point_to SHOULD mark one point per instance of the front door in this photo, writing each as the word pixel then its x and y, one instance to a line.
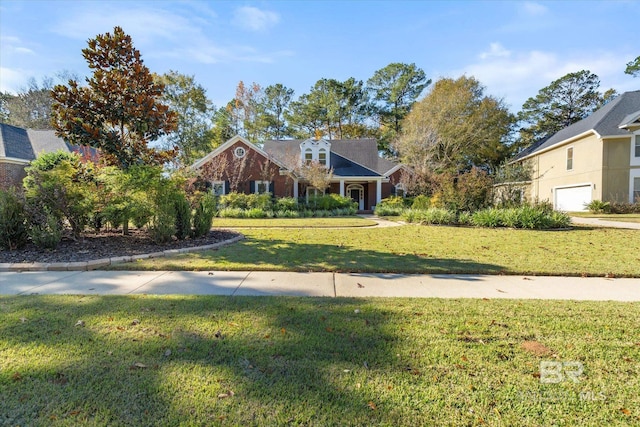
pixel 356 192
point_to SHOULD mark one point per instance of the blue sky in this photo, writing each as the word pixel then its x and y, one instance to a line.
pixel 514 48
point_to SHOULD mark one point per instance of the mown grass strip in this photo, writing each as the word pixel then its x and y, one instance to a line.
pixel 421 249
pixel 186 360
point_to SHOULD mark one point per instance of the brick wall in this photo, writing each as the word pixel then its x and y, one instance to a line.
pixel 11 175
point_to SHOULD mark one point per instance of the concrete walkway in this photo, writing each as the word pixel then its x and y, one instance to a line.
pixel 598 222
pixel 255 283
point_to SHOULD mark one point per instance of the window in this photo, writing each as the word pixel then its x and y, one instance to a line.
pixel 399 190
pixel 322 157
pixel 217 188
pixel 313 192
pixel 239 152
pixel 308 156
pixel 262 187
pixel 636 189
pixel 570 158
pixel 637 147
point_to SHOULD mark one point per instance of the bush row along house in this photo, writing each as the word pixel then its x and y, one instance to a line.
pixel 18 147
pixel 357 170
pixel 597 158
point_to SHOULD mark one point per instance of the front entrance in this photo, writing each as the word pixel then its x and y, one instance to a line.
pixel 356 193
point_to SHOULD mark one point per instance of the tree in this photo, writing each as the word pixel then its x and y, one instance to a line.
pixel 565 101
pixel 31 107
pixel 223 128
pixel 454 128
pixel 394 89
pixel 272 111
pixel 119 112
pixel 243 111
pixel 633 67
pixel 193 109
pixel 333 108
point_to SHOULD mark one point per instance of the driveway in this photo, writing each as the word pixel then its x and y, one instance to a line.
pixel 598 222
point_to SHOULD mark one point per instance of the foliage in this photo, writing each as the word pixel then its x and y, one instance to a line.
pixel 45 228
pixel 391 206
pixel 624 208
pixel 182 216
pixel 526 216
pixel 13 227
pixel 330 202
pixel 332 108
pixel 565 101
pixel 468 191
pixel 246 201
pixel 64 186
pixel 188 100
pixel 394 89
pixel 438 216
pixel 316 174
pixel 455 127
pixel 286 204
pixel 598 206
pixel 203 215
pixel 633 67
pixel 272 111
pixel 119 111
pixel 421 202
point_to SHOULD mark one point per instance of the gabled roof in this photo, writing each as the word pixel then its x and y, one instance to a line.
pixel 603 122
pixel 231 142
pixel 24 145
pixel 631 121
pixel 349 157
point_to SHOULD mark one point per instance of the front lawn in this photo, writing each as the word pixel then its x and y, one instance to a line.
pixel 207 360
pixel 421 249
pixel 330 222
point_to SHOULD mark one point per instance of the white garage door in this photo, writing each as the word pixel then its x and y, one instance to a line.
pixel 573 199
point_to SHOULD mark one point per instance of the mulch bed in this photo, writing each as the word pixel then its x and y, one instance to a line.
pixel 106 244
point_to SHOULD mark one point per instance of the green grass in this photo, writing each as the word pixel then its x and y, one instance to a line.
pixel 420 249
pixel 619 217
pixel 185 360
pixel 293 222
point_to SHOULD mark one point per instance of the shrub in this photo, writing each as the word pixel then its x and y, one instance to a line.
pixel 598 206
pixel 182 210
pixel 203 215
pixel 46 232
pixel 384 210
pixel 13 228
pixel 288 214
pixel 63 185
pixel 421 202
pixel 487 218
pixel 286 204
pixel 255 213
pixel 234 200
pixel 430 216
pixel 231 213
pixel 465 218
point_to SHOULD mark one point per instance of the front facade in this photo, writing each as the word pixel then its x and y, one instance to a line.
pixel 597 158
pixel 357 170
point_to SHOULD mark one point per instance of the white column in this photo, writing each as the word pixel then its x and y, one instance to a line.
pixel 295 188
pixel 378 191
pixel 342 187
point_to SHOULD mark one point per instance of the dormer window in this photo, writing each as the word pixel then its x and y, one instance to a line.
pixel 312 150
pixel 322 156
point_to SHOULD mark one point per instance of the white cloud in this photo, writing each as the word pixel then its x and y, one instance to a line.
pixel 534 9
pixel 516 76
pixel 253 19
pixel 496 50
pixel 11 79
pixel 10 44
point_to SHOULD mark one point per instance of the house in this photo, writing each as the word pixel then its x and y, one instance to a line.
pixel 18 147
pixel 597 158
pixel 358 171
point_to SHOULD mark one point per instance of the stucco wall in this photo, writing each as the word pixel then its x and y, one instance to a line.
pixel 550 170
pixel 615 182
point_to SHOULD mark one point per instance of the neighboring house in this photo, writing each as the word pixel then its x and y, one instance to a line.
pixel 597 158
pixel 18 147
pixel 358 170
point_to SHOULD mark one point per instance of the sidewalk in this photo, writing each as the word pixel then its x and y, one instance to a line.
pixel 598 222
pixel 256 283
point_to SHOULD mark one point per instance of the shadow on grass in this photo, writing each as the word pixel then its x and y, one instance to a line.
pixel 270 254
pixel 250 361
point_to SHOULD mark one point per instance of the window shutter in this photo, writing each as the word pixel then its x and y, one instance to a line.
pixel 227 187
pixel 271 187
pixel 252 187
pixel 393 190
